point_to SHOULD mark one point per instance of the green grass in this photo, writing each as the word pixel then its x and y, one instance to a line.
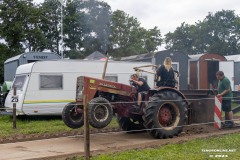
pixel 191 150
pixel 31 126
pixel 36 125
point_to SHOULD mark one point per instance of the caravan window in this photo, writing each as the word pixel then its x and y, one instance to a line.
pixel 51 81
pixel 19 82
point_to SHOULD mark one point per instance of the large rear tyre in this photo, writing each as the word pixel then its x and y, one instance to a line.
pixel 165 114
pixel 100 112
pixel 127 124
pixel 71 117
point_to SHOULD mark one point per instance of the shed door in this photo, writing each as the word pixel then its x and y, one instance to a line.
pixel 228 68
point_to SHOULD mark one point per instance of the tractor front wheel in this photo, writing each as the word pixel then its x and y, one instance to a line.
pixel 72 117
pixel 165 114
pixel 100 112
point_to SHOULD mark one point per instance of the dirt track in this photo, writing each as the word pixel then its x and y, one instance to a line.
pixel 103 142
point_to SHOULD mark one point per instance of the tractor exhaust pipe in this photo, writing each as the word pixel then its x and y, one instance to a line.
pixel 105 65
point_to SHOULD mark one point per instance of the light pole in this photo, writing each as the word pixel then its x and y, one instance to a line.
pixel 61 31
pixel 61 48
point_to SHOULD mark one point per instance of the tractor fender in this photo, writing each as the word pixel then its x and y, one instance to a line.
pixel 162 89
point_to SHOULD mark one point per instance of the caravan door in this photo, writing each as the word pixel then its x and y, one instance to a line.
pixel 228 68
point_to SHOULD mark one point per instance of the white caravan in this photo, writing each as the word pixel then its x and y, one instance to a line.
pixel 45 87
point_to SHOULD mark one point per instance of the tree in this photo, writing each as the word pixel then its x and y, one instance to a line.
pixel 222 32
pixel 153 39
pixel 5 54
pixel 75 28
pixel 217 33
pixel 50 21
pixel 123 29
pixel 20 25
pixel 87 27
pixel 129 38
pixel 181 39
pixel 97 18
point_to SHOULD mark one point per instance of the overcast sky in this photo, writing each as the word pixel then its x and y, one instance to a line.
pixel 169 14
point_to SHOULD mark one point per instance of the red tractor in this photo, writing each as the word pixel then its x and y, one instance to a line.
pixel 163 113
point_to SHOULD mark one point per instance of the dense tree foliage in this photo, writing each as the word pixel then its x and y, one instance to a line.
pixel 91 25
pixel 217 33
pixel 98 17
pixel 87 26
pixel 50 20
pixel 5 54
pixel 74 29
pixel 129 38
pixel 19 25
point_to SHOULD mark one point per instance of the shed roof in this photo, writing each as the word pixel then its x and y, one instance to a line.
pixel 13 58
pixel 235 58
pixel 137 57
pixel 95 56
pixel 148 55
pixel 207 56
pixel 20 55
pixel 195 57
pixel 128 58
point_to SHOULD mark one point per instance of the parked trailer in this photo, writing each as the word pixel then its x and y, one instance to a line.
pixel 11 64
pixel 45 87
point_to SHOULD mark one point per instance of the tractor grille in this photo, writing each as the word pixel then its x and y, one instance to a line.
pixel 79 89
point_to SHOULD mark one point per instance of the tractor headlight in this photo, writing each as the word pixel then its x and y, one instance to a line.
pixel 79 91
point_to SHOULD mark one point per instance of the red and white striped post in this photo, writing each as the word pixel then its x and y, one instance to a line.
pixel 217 112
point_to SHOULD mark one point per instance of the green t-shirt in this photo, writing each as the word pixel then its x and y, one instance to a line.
pixel 223 85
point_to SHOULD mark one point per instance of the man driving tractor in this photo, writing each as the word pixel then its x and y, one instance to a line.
pixel 142 87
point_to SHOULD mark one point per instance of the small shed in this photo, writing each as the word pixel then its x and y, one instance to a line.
pixel 236 60
pixel 203 68
pixel 11 64
pixel 180 63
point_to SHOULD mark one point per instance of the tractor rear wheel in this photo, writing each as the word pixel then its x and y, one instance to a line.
pixel 100 112
pixel 71 117
pixel 127 124
pixel 165 114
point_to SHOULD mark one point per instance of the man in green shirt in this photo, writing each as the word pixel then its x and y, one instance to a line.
pixel 225 91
